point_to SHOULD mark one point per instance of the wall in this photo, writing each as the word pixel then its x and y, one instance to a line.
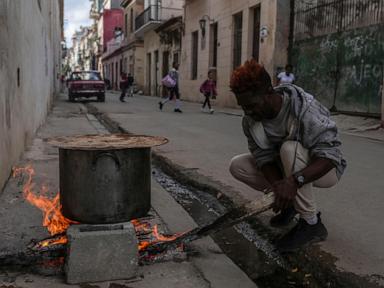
pixel 30 55
pixel 342 67
pixel 273 49
pixel 135 59
pixel 151 44
pixel 111 19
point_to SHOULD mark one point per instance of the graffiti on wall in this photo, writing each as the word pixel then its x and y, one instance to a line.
pixel 344 69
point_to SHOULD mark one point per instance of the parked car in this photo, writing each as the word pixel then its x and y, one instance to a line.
pixel 86 84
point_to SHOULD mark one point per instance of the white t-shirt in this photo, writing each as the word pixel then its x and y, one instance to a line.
pixel 284 78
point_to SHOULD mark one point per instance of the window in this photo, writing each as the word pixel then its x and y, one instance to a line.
pixel 165 63
pixel 132 20
pixel 237 39
pixel 256 33
pixel 176 58
pixel 126 25
pixel 213 45
pixel 195 39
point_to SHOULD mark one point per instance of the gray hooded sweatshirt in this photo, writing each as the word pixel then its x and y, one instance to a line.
pixel 308 123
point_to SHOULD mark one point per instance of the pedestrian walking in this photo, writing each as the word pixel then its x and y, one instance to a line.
pixel 130 81
pixel 293 144
pixel 123 86
pixel 286 77
pixel 208 89
pixel 173 88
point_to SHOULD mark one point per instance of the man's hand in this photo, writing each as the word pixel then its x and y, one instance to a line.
pixel 285 191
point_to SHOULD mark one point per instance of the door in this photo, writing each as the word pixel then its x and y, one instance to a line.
pixel 156 72
pixel 165 70
pixel 256 33
pixel 149 78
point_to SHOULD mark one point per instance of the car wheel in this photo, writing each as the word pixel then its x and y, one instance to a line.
pixel 101 98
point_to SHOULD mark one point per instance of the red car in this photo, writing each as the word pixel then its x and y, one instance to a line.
pixel 86 84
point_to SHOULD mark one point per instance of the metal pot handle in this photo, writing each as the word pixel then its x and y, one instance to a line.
pixel 105 154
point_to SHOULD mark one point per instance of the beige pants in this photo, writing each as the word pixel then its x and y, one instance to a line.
pixel 243 168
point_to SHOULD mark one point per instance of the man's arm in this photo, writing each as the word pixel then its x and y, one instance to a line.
pixel 317 169
pixel 285 190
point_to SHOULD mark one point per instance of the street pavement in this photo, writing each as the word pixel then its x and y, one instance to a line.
pixel 205 143
pixel 22 222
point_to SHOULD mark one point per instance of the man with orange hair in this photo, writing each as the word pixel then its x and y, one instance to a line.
pixel 293 146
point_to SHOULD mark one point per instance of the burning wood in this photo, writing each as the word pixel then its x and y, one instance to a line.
pixel 229 219
pixel 148 234
pixel 52 243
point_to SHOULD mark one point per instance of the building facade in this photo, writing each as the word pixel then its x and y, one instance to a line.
pixel 159 19
pixel 220 35
pixel 31 33
pixel 126 51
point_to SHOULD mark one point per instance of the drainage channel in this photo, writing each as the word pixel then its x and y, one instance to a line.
pixel 241 243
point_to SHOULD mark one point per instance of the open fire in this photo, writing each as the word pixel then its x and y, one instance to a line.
pixel 57 224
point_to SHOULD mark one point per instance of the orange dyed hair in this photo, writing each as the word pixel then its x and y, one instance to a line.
pixel 251 76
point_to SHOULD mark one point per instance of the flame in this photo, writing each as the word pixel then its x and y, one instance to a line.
pixel 55 222
pixel 45 243
pixel 153 232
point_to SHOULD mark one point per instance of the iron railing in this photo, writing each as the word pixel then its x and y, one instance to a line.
pixel 320 17
pixel 155 13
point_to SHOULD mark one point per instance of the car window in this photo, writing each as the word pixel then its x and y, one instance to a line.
pixel 86 76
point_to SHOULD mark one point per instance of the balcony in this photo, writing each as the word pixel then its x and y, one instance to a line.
pixel 154 16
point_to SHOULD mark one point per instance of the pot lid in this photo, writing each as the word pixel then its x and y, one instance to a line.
pixel 107 141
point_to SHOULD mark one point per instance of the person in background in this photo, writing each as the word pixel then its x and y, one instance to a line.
pixel 130 81
pixel 286 77
pixel 174 91
pixel 208 89
pixel 123 86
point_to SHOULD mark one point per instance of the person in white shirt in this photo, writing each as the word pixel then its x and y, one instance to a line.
pixel 287 76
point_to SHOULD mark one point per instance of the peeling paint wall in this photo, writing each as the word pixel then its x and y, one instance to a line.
pixel 341 61
pixel 344 69
pixel 30 57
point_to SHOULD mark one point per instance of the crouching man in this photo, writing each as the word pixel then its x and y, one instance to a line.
pixel 293 146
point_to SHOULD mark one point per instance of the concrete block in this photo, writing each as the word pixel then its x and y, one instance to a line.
pixel 101 253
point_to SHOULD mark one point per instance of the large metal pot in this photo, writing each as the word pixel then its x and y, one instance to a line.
pixel 108 183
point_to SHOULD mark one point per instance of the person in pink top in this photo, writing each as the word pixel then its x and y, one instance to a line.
pixel 208 89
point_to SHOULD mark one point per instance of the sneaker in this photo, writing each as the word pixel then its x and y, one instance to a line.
pixel 161 106
pixel 178 110
pixel 302 235
pixel 283 218
pixel 122 100
pixel 202 109
pixel 211 111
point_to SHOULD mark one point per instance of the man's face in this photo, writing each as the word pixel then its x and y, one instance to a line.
pixel 256 107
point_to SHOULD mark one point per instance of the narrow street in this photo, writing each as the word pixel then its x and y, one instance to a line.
pixel 121 120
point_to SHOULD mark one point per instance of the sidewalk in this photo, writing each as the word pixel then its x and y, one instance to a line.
pixel 201 145
pixel 21 222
